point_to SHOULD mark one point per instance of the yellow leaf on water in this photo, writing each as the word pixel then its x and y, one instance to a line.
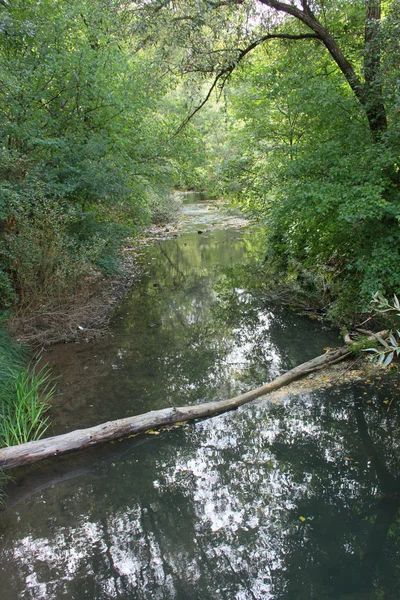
pixel 386 401
pixel 152 432
pixel 347 458
pixel 302 519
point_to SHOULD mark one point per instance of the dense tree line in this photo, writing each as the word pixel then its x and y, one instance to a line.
pixel 83 143
pixel 311 130
pixel 100 117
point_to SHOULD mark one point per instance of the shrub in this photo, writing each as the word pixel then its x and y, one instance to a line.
pixel 165 208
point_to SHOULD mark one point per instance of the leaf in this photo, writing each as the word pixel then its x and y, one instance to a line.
pixel 381 358
pixel 302 519
pixel 388 359
pixel 383 342
pixel 396 302
pixel 371 350
pixel 392 340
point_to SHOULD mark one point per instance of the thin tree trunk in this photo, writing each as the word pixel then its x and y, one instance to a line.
pixel 14 456
pixel 369 93
pixel 373 94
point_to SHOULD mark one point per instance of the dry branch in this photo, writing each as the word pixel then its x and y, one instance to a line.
pixel 14 456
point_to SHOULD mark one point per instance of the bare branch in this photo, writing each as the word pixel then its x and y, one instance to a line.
pixel 276 36
pixel 200 106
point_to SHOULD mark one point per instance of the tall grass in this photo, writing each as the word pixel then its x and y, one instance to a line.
pixel 25 393
pixel 24 402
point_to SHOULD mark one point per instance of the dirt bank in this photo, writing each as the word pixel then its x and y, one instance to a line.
pixel 86 316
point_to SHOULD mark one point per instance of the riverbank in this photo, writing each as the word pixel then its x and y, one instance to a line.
pixel 206 261
pixel 194 329
pixel 86 315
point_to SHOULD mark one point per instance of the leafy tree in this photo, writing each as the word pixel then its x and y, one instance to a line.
pixel 313 132
pixel 80 138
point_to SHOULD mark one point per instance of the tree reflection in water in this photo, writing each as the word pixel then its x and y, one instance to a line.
pixel 202 333
pixel 296 500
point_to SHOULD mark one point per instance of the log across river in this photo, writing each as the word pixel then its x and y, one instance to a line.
pixel 14 456
pixel 265 500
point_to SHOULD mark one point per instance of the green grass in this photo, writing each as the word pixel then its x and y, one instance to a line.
pixel 24 401
pixel 25 394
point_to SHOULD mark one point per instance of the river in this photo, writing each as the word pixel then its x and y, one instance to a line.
pixel 290 499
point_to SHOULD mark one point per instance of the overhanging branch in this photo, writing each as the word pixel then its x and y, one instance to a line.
pixel 307 17
pixel 224 74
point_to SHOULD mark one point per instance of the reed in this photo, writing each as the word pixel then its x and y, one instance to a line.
pixel 25 394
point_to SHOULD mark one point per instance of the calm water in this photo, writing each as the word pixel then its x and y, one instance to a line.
pixel 291 500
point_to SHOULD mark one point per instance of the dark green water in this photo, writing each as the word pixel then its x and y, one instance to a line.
pixel 290 500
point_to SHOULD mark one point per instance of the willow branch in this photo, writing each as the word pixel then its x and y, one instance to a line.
pixel 307 17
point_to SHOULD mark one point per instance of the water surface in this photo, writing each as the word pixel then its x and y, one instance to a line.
pixel 289 500
pixel 190 331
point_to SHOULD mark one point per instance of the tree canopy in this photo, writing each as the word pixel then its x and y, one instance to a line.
pixel 312 128
pixel 108 105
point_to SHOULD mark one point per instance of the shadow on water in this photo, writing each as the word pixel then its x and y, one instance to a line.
pixel 294 500
pixel 190 331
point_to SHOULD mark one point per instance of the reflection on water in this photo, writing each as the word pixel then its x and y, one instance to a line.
pixel 190 331
pixel 290 501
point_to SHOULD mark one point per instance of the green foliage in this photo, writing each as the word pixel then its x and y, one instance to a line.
pixel 81 127
pixel 25 393
pixel 363 344
pixel 388 348
pixel 301 159
pixel 88 116
pixel 165 208
pixel 11 354
pixel 24 401
pixel 53 249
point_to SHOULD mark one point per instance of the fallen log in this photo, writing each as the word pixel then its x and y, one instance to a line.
pixel 15 456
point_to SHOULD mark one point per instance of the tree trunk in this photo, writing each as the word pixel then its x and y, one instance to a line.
pixel 373 99
pixel 14 456
pixel 369 93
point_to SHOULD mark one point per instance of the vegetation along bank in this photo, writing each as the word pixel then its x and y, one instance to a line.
pixel 289 111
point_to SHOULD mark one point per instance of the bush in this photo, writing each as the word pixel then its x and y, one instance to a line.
pixel 42 261
pixel 55 252
pixel 165 208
